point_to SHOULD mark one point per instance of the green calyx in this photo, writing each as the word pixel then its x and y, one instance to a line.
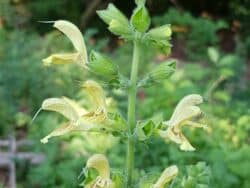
pixel 162 32
pixel 102 66
pixel 116 20
pixel 161 72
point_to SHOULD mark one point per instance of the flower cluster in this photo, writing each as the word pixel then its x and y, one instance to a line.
pixel 97 171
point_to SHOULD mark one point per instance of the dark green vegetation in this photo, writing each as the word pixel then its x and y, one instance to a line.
pixel 220 74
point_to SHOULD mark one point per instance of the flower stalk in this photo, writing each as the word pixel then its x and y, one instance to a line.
pixel 131 114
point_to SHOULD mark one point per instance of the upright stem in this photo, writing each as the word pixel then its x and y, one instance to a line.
pixel 131 114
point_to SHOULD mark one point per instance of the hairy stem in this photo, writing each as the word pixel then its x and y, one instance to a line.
pixel 131 115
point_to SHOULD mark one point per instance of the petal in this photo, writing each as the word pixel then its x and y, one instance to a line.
pixel 185 145
pixel 58 59
pixel 175 135
pixel 186 109
pixel 196 125
pixel 169 134
pixel 96 94
pixel 97 116
pixel 80 111
pixel 167 175
pixel 64 129
pixel 62 106
pixel 100 163
pixel 75 35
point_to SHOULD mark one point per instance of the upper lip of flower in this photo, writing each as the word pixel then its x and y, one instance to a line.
pixel 185 110
pixel 75 36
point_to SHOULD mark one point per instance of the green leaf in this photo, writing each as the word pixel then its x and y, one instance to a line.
pixel 90 175
pixel 145 129
pixel 198 176
pixel 140 19
pixel 118 179
pixel 140 2
pixel 213 54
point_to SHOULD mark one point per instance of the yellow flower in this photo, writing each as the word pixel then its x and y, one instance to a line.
pixel 97 97
pixel 100 163
pixel 79 118
pixel 183 113
pixel 167 175
pixel 75 36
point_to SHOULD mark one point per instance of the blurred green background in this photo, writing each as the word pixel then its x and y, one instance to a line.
pixel 211 43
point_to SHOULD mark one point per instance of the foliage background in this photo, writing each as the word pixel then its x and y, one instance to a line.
pixel 197 25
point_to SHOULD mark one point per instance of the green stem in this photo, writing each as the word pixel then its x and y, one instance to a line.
pixel 131 114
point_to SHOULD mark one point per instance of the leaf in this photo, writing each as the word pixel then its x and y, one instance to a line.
pixel 213 54
pixel 145 129
pixel 140 19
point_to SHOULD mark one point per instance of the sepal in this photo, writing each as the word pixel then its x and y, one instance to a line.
pixel 116 20
pixel 102 66
pixel 160 73
pixel 161 33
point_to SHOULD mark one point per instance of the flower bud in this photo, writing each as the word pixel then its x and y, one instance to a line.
pixel 162 71
pixel 117 21
pixel 163 32
pixel 118 28
pixel 102 65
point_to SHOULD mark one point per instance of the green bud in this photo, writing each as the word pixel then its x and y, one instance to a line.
pixel 162 71
pixel 140 19
pixel 163 32
pixel 118 28
pixel 163 45
pixel 116 20
pixel 102 66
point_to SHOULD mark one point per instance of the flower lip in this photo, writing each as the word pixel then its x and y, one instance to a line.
pixel 167 175
pixel 100 163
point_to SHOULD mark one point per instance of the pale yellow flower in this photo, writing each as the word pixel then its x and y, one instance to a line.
pixel 97 97
pixel 79 119
pixel 167 175
pixel 75 36
pixel 183 114
pixel 100 163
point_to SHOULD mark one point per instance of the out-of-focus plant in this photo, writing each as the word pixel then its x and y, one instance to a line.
pixel 196 33
pixel 98 118
pixel 223 67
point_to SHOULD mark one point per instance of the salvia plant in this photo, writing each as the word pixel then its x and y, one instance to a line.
pixel 97 172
